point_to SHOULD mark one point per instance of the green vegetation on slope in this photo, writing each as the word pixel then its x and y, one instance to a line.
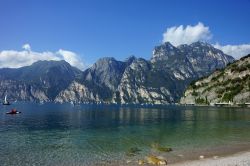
pixel 231 84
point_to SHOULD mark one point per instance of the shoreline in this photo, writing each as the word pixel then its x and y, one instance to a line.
pixel 221 156
pixel 142 105
pixel 237 159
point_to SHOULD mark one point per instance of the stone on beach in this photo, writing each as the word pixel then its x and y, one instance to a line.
pixel 141 162
pixel 216 157
pixel 156 160
pixel 180 155
pixel 202 157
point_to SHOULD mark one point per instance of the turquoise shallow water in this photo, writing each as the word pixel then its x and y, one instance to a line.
pixel 60 134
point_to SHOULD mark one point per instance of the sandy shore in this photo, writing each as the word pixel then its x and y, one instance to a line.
pixel 238 159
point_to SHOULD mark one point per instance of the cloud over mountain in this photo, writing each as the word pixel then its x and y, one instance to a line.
pixel 25 57
pixel 186 35
pixel 235 50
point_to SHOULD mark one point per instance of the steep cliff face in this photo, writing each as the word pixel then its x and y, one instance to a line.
pixel 140 83
pixel 22 91
pixel 77 92
pixel 160 80
pixel 231 84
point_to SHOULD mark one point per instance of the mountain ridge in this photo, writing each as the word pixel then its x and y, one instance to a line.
pixel 160 80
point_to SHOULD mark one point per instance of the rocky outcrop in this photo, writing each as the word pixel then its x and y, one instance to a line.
pixel 22 91
pixel 140 84
pixel 231 84
pixel 78 93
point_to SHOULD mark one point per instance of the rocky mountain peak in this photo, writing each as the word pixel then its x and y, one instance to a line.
pixel 168 45
pixel 200 44
pixel 48 66
pixel 164 50
pixel 130 59
pixel 107 64
pixel 104 61
pixel 50 62
pixel 105 72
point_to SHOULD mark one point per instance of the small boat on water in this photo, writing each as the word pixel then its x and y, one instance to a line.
pixel 6 102
pixel 13 111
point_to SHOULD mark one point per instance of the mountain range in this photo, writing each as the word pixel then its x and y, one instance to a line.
pixel 160 80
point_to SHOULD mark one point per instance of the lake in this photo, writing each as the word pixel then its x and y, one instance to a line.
pixel 62 134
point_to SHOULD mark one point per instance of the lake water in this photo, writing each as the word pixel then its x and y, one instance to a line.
pixel 62 134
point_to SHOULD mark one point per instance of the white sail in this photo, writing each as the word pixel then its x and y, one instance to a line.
pixel 5 99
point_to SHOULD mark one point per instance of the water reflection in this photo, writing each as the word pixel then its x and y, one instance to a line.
pixel 64 116
pixel 60 131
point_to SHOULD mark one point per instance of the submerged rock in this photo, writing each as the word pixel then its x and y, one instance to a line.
pixel 160 148
pixel 133 151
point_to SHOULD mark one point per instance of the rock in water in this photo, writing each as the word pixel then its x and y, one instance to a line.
pixel 133 151
pixel 156 146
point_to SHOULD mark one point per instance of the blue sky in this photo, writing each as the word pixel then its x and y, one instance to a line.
pixel 118 28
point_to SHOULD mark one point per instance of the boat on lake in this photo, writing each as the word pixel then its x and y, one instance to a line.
pixel 6 102
pixel 13 111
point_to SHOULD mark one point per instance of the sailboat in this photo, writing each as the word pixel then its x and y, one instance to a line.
pixel 6 102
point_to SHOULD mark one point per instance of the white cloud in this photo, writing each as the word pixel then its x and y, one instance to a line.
pixel 15 59
pixel 237 51
pixel 72 58
pixel 186 35
pixel 27 47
